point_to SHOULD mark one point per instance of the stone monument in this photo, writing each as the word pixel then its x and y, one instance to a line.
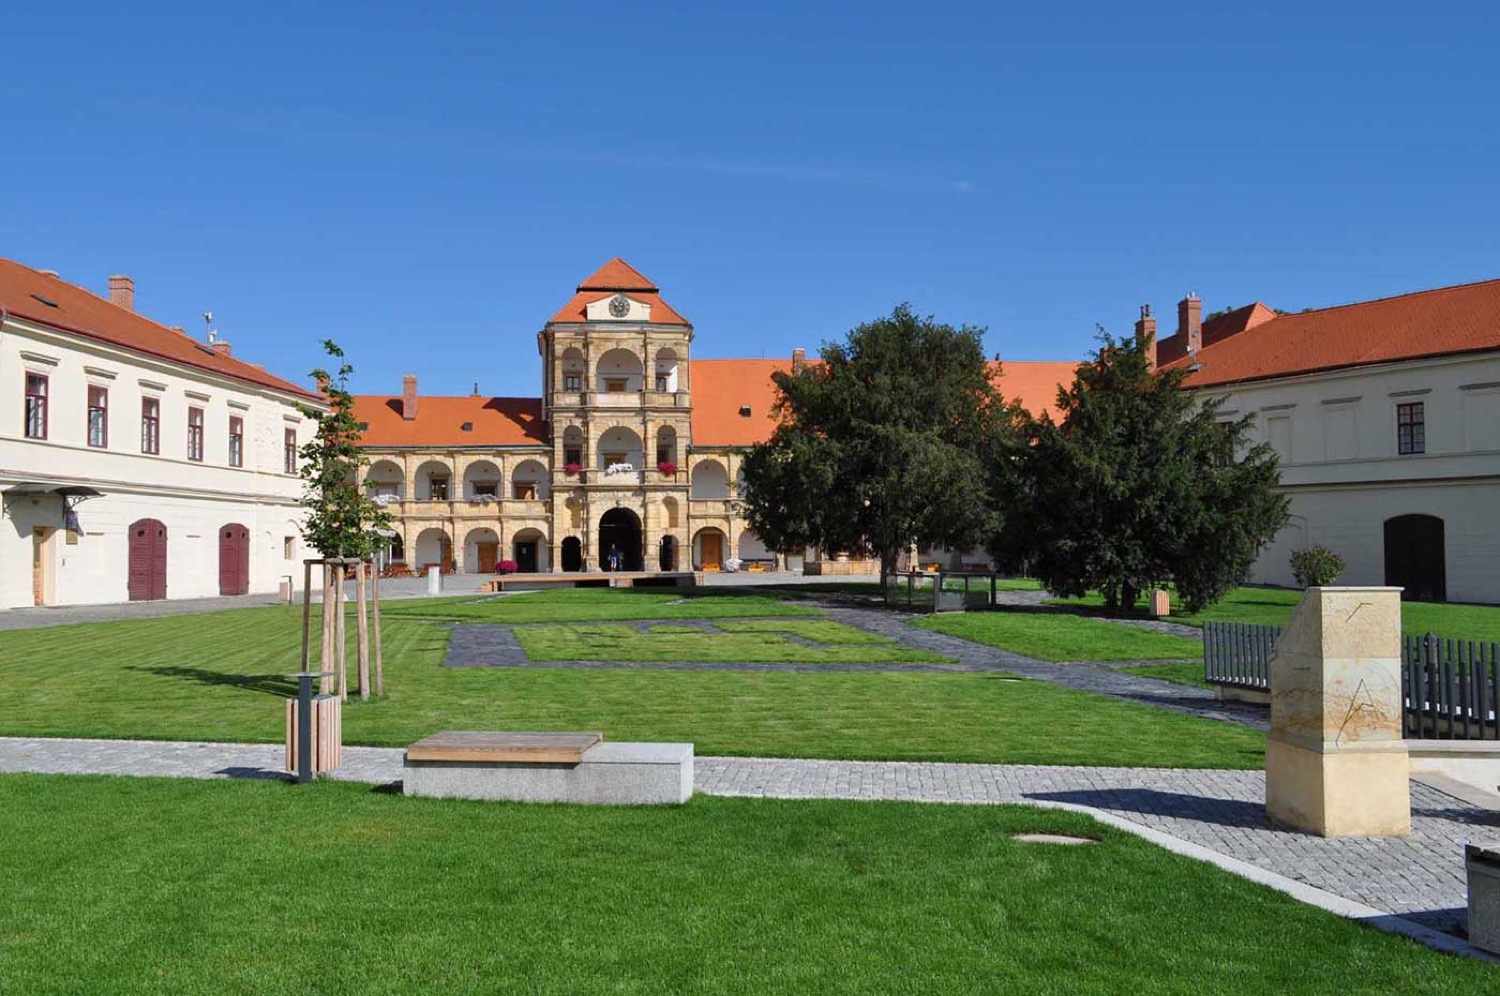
pixel 1336 760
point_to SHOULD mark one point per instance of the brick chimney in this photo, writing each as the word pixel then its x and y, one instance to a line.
pixel 409 397
pixel 799 359
pixel 1145 326
pixel 1190 321
pixel 122 291
pixel 220 347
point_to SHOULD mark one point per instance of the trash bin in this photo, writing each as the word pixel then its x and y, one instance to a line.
pixel 434 580
pixel 1483 864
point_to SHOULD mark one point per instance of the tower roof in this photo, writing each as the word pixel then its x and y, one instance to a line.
pixel 617 275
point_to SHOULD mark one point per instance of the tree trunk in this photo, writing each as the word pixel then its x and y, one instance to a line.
pixel 364 631
pixel 379 650
pixel 1129 593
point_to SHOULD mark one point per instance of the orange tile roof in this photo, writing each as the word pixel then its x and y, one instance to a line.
pixel 1437 322
pixel 618 276
pixel 1216 328
pixel 439 421
pixel 80 311
pixel 1034 383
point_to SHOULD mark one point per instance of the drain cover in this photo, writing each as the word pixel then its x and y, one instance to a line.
pixel 1051 838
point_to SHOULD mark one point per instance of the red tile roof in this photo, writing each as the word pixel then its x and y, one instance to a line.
pixel 1437 322
pixel 618 276
pixel 1035 382
pixel 82 312
pixel 440 420
pixel 1216 328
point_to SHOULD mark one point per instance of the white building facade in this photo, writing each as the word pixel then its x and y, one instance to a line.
pixel 137 463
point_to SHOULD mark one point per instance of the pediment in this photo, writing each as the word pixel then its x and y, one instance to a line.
pixel 617 307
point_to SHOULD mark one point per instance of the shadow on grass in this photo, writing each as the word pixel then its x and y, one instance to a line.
pixel 269 684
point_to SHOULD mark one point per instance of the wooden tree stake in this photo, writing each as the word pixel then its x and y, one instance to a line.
pixel 340 645
pixel 364 631
pixel 379 654
pixel 325 683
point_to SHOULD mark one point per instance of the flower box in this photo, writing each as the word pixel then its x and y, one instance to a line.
pixel 572 468
pixel 667 468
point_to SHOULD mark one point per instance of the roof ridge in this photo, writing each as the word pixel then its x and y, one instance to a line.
pixel 1388 297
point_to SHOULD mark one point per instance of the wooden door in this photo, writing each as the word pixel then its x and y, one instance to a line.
pixel 234 559
pixel 148 561
pixel 713 550
pixel 489 553
pixel 39 565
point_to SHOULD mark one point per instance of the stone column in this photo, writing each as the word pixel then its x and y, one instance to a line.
pixel 1336 759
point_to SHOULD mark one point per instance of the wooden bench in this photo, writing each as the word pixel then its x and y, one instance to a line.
pixel 547 767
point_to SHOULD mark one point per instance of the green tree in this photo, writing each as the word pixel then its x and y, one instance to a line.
pixel 1141 482
pixel 881 444
pixel 341 520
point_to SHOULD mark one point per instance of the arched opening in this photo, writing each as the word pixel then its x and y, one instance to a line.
pixel 574 369
pixel 481 551
pixel 396 552
pixel 529 551
pixel 710 481
pixel 667 553
pixel 620 447
pixel 708 549
pixel 384 482
pixel 666 446
pixel 664 377
pixel 572 554
pixel 620 540
pixel 618 372
pixel 572 449
pixel 1415 558
pixel 434 481
pixel 234 559
pixel 147 577
pixel 751 550
pixel 433 548
pixel 481 481
pixel 528 481
pixel 670 507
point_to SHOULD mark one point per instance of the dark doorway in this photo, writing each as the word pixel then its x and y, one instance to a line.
pixel 620 531
pixel 148 561
pixel 572 554
pixel 234 559
pixel 1415 559
pixel 526 556
pixel 668 556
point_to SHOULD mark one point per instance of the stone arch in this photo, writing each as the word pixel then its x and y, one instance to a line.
pixel 481 550
pixel 434 547
pixel 396 552
pixel 434 481
pixel 672 512
pixel 664 370
pixel 384 478
pixel 572 553
pixel 666 445
pixel 481 480
pixel 573 447
pixel 710 548
pixel 620 532
pixel 620 444
pixel 748 546
pixel 666 553
pixel 574 369
pixel 618 368
pixel 528 480
pixel 528 548
pixel 710 481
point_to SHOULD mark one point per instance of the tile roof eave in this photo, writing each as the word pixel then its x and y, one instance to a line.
pixel 1332 368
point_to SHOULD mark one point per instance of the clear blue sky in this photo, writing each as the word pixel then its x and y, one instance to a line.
pixel 427 183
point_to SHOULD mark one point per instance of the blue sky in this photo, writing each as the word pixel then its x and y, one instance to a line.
pixel 427 183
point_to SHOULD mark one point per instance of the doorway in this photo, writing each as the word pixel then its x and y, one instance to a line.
pixel 711 550
pixel 234 560
pixel 1415 559
pixel 526 556
pixel 667 558
pixel 620 533
pixel 489 556
pixel 572 554
pixel 39 549
pixel 147 578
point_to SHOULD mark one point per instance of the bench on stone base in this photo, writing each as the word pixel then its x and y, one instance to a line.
pixel 547 767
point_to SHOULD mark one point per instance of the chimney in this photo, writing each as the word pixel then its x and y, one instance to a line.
pixel 1145 327
pixel 220 347
pixel 122 291
pixel 409 397
pixel 1190 321
pixel 799 359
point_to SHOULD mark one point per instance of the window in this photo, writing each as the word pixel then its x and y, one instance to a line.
pixel 236 441
pixel 36 406
pixel 486 489
pixel 610 459
pixel 572 454
pixel 1411 428
pixel 438 489
pixel 98 416
pixel 288 547
pixel 661 382
pixel 525 490
pixel 615 385
pixel 150 425
pixel 572 382
pixel 289 446
pixel 195 434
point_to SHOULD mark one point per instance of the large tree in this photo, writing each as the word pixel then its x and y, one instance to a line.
pixel 881 443
pixel 1141 482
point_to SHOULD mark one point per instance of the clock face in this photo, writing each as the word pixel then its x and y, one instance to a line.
pixel 619 306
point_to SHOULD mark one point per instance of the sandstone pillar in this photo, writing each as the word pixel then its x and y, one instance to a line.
pixel 1336 760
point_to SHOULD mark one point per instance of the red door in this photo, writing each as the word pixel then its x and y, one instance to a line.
pixel 148 560
pixel 234 559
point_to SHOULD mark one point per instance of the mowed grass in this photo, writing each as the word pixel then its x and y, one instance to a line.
pixel 222 676
pixel 764 642
pixel 594 605
pixel 145 886
pixel 1273 607
pixel 1061 636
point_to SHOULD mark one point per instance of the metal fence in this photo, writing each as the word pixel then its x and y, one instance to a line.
pixel 1450 688
pixel 941 591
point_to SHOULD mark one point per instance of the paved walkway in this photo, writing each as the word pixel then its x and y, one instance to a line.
pixel 1420 878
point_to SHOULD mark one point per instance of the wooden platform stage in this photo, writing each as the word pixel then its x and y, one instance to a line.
pixel 595 579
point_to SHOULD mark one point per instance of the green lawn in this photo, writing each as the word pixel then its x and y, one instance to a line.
pixel 762 642
pixel 595 605
pixel 140 886
pixel 1061 636
pixel 1177 672
pixel 1273 607
pixel 222 676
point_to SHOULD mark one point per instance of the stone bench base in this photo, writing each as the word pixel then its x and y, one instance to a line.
pixel 629 774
